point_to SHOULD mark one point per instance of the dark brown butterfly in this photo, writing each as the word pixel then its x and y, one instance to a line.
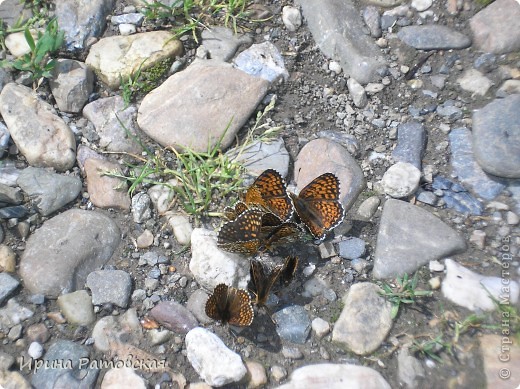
pixel 230 305
pixel 289 269
pixel 270 193
pixel 318 205
pixel 284 233
pixel 242 235
pixel 263 280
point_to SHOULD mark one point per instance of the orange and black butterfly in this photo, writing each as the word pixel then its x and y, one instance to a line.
pixel 269 193
pixel 242 235
pixel 230 305
pixel 318 206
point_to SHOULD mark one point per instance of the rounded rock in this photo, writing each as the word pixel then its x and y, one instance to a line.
pixel 291 18
pixel 401 180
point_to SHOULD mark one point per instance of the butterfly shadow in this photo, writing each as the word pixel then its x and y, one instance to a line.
pixel 262 332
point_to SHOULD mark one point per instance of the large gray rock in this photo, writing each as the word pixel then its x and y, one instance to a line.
pixel 496 28
pixel 49 191
pixel 193 108
pixel 338 29
pixel 65 249
pixel 496 137
pixel 409 237
pixel 82 20
pixel 40 134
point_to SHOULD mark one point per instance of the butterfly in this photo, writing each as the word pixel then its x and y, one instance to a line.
pixel 289 269
pixel 230 305
pixel 268 192
pixel 318 206
pixel 242 235
pixel 263 281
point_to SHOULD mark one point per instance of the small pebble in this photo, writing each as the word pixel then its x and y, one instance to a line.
pixel 35 350
pixel 278 373
pixel 435 283
pixel 436 266
pixel 478 237
pixel 320 327
pixel 512 218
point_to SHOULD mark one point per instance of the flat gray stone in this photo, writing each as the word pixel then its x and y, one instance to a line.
pixel 8 285
pixel 322 156
pixel 174 317
pixel 209 98
pixel 262 60
pixel 77 307
pixel 110 286
pixel 410 237
pixel 13 314
pixel 107 114
pixel 82 20
pixel 49 191
pixel 260 156
pixel 293 324
pixel 60 254
pixel 433 37
pixel 496 28
pixel 335 376
pixel 65 376
pixel 373 319
pixel 496 137
pixel 337 28
pixel 222 43
pixel 411 140
pixel 468 170
pixel 71 84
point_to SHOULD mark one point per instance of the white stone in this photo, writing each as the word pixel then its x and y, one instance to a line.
pixel 335 67
pixel 278 373
pixel 124 377
pixel 257 375
pixel 357 92
pixel 216 364
pixel 181 227
pixel 35 350
pixel 17 44
pixel 436 266
pixel 435 283
pixel 291 18
pixel 478 237
pixel 421 5
pixel 475 82
pixel 162 196
pixel 471 290
pixel 373 88
pixel 211 266
pixel 335 376
pixel 127 29
pixel 320 327
pixel 512 218
pixel 262 60
pixel 401 180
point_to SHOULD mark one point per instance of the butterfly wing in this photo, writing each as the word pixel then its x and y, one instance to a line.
pixel 318 205
pixel 289 269
pixel 217 302
pixel 239 306
pixel 282 234
pixel 242 234
pixel 262 281
pixel 269 192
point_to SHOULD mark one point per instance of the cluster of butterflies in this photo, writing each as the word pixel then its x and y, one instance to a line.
pixel 268 216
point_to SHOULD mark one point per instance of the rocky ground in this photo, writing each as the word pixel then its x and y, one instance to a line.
pixel 412 105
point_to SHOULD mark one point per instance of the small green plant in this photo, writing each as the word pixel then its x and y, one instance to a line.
pixel 430 348
pixel 38 61
pixel 142 80
pixel 192 15
pixel 405 292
